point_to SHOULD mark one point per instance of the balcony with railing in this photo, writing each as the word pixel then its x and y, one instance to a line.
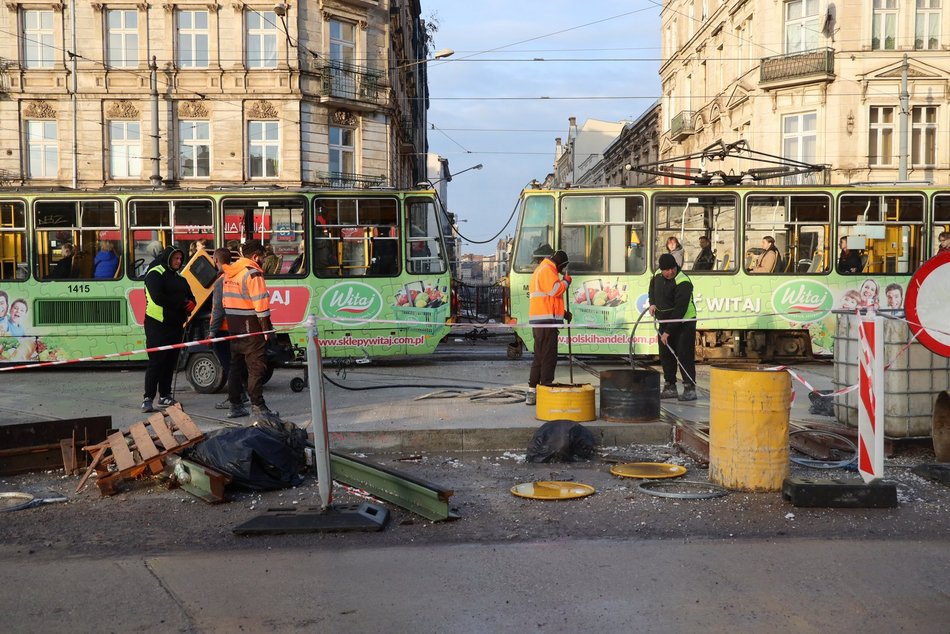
pixel 817 65
pixel 346 180
pixel 682 125
pixel 349 85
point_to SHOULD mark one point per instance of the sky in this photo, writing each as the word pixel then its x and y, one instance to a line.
pixel 616 78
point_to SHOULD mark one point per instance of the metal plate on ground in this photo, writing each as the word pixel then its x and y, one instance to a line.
pixel 340 517
pixel 552 490
pixel 648 470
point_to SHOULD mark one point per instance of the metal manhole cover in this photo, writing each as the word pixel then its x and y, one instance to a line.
pixel 649 470
pixel 14 501
pixel 552 490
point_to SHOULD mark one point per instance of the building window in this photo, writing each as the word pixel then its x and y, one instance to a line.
pixel 800 140
pixel 263 149
pixel 193 39
pixel 801 25
pixel 42 149
pixel 927 25
pixel 923 136
pixel 125 149
pixel 342 41
pixel 194 151
pixel 341 152
pixel 881 136
pixel 261 39
pixel 38 39
pixel 122 38
pixel 884 25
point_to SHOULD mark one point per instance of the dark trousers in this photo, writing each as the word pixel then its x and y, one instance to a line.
pixel 683 341
pixel 162 363
pixel 247 359
pixel 545 357
pixel 222 350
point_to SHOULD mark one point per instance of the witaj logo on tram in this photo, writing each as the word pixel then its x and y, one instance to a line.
pixel 802 301
pixel 349 300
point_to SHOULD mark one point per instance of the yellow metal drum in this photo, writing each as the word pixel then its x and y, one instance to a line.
pixel 748 427
pixel 565 402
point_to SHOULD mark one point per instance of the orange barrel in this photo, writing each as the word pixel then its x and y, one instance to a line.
pixel 748 427
pixel 566 402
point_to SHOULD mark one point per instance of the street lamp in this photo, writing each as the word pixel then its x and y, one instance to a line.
pixel 448 177
pixel 442 53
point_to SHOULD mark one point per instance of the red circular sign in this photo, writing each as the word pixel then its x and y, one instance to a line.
pixel 928 295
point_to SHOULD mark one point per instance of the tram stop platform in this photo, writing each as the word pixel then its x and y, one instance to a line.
pixel 394 406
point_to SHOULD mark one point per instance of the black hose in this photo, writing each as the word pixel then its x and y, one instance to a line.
pixel 395 385
pixel 633 333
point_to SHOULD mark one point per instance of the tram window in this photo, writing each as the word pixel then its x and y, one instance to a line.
pixel 77 240
pixel 423 238
pixel 941 222
pixel 277 223
pixel 689 218
pixel 800 226
pixel 537 228
pixel 602 234
pixel 13 265
pixel 157 224
pixel 890 227
pixel 356 237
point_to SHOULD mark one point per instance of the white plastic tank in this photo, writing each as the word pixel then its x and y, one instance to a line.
pixel 911 384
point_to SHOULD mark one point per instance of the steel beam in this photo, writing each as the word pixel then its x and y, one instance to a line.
pixel 420 497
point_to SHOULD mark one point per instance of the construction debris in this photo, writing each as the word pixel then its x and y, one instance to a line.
pixel 49 444
pixel 143 448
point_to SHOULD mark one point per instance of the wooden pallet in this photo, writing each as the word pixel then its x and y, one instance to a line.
pixel 143 448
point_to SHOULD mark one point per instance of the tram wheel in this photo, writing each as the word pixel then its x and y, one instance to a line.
pixel 297 384
pixel 205 373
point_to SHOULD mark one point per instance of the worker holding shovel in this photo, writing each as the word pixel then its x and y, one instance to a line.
pixel 545 313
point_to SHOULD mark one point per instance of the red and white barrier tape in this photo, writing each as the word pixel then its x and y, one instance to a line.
pixel 114 355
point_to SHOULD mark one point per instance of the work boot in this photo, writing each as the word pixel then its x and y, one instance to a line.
pixel 225 404
pixel 531 396
pixel 147 406
pixel 263 412
pixel 669 391
pixel 689 393
pixel 237 411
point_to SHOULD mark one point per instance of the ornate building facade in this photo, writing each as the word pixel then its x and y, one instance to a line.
pixel 209 93
pixel 811 80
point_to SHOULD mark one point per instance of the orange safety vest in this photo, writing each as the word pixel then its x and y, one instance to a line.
pixel 546 303
pixel 244 292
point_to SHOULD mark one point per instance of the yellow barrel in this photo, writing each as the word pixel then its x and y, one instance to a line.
pixel 748 427
pixel 565 402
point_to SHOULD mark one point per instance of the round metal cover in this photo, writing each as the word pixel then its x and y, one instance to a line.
pixel 552 490
pixel 651 470
pixel 14 501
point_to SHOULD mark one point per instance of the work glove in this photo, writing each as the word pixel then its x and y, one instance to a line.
pixel 190 306
pixel 568 279
pixel 568 316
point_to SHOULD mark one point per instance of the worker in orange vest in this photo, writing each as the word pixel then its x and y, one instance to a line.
pixel 247 306
pixel 545 311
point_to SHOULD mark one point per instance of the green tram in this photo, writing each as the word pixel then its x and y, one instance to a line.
pixel 370 265
pixel 615 236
